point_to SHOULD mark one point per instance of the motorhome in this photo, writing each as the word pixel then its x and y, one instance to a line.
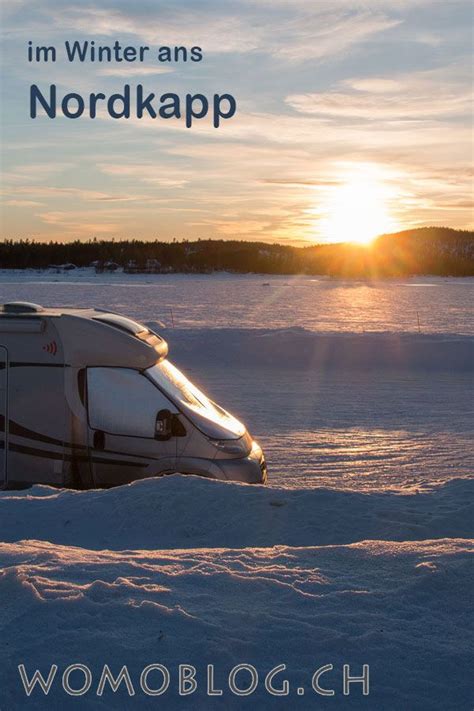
pixel 88 399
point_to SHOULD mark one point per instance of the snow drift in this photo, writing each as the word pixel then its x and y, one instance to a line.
pixel 191 512
pixel 399 607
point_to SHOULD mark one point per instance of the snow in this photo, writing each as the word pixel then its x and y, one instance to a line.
pixel 402 421
pixel 399 607
pixel 299 348
pixel 358 550
pixel 220 300
pixel 188 512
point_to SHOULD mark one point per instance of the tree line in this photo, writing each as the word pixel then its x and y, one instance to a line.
pixel 431 250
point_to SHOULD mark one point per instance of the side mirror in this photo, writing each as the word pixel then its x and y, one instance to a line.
pixel 168 425
pixel 163 425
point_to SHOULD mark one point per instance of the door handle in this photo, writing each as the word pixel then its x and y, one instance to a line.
pixel 98 440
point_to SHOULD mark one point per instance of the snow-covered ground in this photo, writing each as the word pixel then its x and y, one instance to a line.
pixel 399 607
pixel 361 411
pixel 357 552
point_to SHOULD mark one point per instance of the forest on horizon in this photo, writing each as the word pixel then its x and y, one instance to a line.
pixel 441 251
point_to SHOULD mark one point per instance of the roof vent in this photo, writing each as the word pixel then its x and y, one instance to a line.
pixel 22 307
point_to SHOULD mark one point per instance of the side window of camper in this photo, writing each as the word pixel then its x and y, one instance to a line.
pixel 122 401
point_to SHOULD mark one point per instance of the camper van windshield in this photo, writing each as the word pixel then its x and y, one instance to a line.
pixel 180 389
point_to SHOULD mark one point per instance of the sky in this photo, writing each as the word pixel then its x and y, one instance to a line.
pixel 353 118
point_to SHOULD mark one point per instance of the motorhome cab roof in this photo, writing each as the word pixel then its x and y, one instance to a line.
pixel 87 336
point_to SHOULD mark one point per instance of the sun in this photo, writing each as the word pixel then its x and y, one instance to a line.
pixel 357 209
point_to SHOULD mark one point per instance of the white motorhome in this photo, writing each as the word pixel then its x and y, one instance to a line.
pixel 88 399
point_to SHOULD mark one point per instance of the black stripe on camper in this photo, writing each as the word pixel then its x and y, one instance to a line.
pixel 18 364
pixel 26 433
pixel 14 428
pixel 20 431
pixel 45 454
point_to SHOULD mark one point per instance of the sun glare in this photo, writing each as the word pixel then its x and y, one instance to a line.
pixel 357 210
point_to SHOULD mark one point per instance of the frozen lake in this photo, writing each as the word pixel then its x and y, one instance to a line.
pixel 253 301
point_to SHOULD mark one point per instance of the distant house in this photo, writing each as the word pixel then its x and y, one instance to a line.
pixel 151 266
pixel 101 266
pixel 62 267
pixel 130 267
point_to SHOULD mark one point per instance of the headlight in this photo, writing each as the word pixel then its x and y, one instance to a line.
pixel 236 447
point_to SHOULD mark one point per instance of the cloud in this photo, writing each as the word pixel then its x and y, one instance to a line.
pixel 370 106
pixel 23 203
pixel 79 193
pixel 234 228
pixel 291 31
pixel 411 96
pixel 289 183
pixel 77 225
pixel 162 177
pixel 34 171
pixel 320 36
pixel 153 23
pixel 331 5
pixel 317 134
pixel 131 71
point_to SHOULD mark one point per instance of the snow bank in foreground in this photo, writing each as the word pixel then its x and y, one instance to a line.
pixel 302 348
pixel 402 608
pixel 189 512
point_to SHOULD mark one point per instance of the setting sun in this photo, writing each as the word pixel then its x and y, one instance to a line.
pixel 357 210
